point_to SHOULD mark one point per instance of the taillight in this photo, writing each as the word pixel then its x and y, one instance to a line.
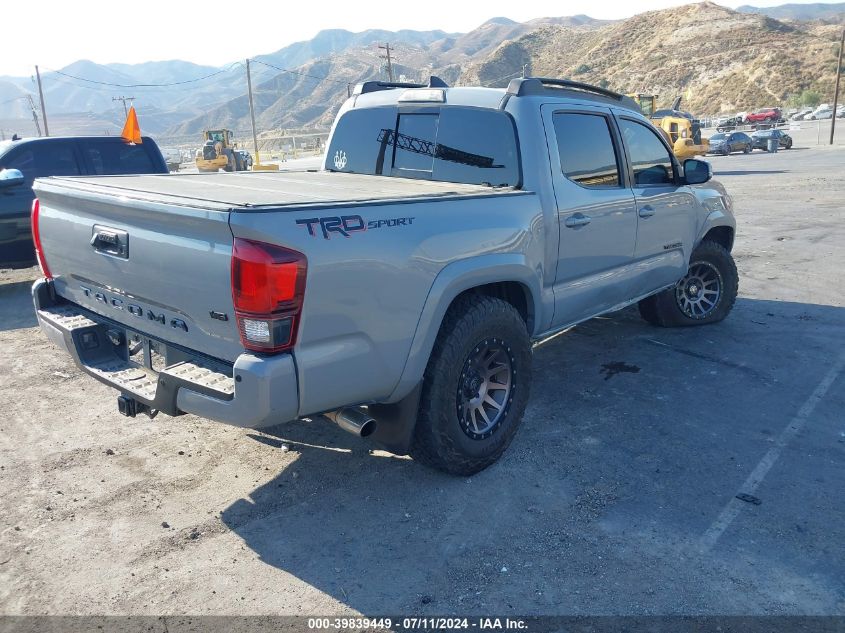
pixel 268 286
pixel 36 238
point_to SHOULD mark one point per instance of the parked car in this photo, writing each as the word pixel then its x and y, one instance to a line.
pixel 725 124
pixel 824 111
pixel 410 275
pixel 24 160
pixel 246 158
pixel 803 112
pixel 764 115
pixel 727 143
pixel 760 139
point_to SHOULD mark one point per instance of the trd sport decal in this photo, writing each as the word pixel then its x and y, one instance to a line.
pixel 346 225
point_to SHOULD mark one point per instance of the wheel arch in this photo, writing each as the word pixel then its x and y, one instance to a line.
pixel 505 276
pixel 722 234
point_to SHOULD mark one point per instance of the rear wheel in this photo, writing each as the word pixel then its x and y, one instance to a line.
pixel 747 149
pixel 706 294
pixel 475 387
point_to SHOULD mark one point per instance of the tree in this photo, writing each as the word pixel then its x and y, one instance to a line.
pixel 810 98
pixel 583 68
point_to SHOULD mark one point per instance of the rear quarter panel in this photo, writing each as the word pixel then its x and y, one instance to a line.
pixel 365 293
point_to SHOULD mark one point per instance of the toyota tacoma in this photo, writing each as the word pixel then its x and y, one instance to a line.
pixel 399 289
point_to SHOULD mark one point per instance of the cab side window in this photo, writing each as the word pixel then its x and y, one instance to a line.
pixel 45 159
pixel 23 160
pixel 587 153
pixel 650 160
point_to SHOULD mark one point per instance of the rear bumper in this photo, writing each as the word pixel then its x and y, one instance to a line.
pixel 255 391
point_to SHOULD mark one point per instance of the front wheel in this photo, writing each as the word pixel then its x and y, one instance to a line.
pixel 475 387
pixel 706 294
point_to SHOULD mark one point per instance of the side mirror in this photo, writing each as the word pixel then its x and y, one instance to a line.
pixel 11 178
pixel 696 171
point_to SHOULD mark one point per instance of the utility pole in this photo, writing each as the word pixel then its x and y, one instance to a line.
pixel 43 110
pixel 252 113
pixel 386 48
pixel 124 100
pixel 524 66
pixel 836 90
pixel 34 114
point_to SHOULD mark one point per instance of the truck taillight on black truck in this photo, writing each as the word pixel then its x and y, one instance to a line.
pixel 268 286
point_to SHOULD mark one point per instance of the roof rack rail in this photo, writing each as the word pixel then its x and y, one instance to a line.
pixel 538 86
pixel 375 86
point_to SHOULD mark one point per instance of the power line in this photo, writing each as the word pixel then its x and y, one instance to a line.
pixel 161 85
pixel 296 72
pixel 513 74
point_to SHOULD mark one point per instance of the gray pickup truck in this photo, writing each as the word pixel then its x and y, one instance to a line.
pixel 399 290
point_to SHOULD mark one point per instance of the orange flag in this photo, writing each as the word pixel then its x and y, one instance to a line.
pixel 131 130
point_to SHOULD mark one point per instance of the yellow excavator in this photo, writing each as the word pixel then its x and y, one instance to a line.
pixel 219 152
pixel 680 128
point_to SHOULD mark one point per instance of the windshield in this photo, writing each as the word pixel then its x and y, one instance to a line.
pixel 718 137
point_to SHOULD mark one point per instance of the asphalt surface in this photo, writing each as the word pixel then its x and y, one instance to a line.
pixel 618 496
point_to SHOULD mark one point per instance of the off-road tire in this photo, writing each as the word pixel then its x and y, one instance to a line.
pixel 663 309
pixel 439 440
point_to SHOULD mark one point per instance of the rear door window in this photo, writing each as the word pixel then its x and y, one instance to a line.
pixel 587 153
pixel 650 160
pixel 115 158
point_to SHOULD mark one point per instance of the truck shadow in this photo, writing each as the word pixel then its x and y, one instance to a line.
pixel 16 309
pixel 611 448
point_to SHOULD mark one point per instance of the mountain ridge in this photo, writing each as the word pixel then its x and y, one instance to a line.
pixel 731 59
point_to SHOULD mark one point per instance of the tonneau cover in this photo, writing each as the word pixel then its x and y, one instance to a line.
pixel 279 189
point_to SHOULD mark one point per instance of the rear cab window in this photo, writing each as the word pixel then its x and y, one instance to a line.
pixel 446 143
pixel 113 157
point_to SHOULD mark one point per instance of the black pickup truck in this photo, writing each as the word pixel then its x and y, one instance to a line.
pixel 24 160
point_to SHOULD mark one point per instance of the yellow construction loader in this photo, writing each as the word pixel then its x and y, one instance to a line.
pixel 219 152
pixel 680 128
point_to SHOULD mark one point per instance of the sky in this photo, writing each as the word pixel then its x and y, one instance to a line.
pixel 55 33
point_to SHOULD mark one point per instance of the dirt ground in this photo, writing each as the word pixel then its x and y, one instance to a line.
pixel 618 496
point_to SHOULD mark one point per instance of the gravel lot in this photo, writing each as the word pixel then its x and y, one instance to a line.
pixel 617 497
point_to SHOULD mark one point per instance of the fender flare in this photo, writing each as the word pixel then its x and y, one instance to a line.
pixel 450 282
pixel 717 219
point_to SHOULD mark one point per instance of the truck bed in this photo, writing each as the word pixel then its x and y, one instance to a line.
pixel 289 189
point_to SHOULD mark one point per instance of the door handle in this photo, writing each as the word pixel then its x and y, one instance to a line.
pixel 577 221
pixel 646 212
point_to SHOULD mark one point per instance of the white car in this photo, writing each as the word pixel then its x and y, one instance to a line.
pixel 821 114
pixel 803 112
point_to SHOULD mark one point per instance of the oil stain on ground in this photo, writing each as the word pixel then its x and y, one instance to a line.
pixel 617 367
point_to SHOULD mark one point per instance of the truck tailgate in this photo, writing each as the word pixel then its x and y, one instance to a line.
pixel 161 269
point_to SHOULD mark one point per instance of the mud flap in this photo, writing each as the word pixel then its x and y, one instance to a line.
pixel 396 422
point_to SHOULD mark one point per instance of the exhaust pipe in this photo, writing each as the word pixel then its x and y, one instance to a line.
pixel 353 420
